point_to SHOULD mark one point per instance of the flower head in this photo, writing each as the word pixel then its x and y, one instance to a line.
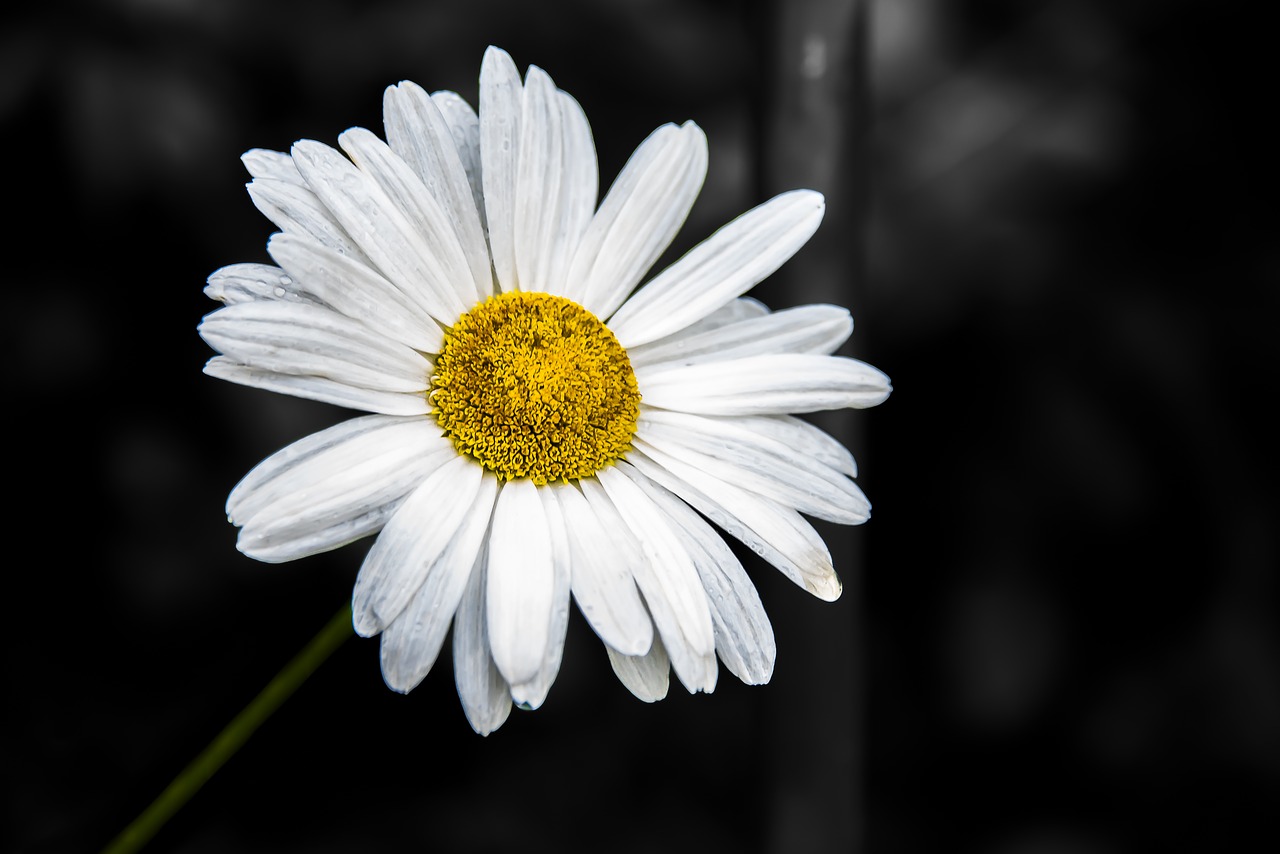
pixel 539 428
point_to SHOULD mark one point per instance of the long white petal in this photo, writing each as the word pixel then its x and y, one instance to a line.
pixel 238 283
pixel 804 439
pixel 374 221
pixel 308 340
pixel 819 329
pixel 314 459
pixel 486 699
pixel 646 676
pixel 764 385
pixel 744 636
pixel 752 462
pixel 725 265
pixel 296 210
pixel 464 126
pixel 340 522
pixel 357 291
pixel 779 435
pixel 539 182
pixel 520 592
pixel 500 109
pixel 532 694
pixel 319 388
pixel 412 642
pixel 274 165
pixel 431 222
pixel 641 213
pixel 580 186
pixel 423 138
pixel 332 488
pixel 778 534
pixel 669 582
pixel 419 532
pixel 604 559
pixel 733 311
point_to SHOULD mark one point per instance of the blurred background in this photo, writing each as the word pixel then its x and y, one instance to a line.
pixel 1058 634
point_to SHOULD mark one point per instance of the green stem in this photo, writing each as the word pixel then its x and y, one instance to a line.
pixel 233 736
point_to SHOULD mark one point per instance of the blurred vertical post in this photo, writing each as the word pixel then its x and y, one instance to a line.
pixel 815 125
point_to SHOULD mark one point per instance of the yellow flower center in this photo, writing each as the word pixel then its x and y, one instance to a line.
pixel 534 385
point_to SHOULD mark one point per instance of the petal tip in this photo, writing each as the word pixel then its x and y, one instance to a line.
pixel 396 685
pixel 494 54
pixel 527 696
pixel 827 589
pixel 365 623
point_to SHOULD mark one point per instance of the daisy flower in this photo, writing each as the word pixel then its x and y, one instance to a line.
pixel 539 428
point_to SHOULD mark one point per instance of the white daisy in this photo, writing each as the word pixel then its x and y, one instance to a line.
pixel 537 430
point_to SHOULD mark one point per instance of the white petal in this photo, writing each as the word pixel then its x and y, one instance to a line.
pixel 752 462
pixel 725 265
pixel 520 593
pixel 500 109
pixel 556 185
pixel 744 636
pixel 386 235
pixel 485 697
pixel 579 188
pixel 778 534
pixel 412 642
pixel 604 559
pixel 275 165
pixel 357 291
pixel 464 125
pixel 297 210
pixel 647 676
pixel 817 329
pixel 669 582
pixel 429 220
pixel 319 388
pixel 333 487
pixel 310 461
pixel 249 282
pixel 638 218
pixel 291 338
pixel 532 694
pixel 538 183
pixel 423 138
pixel 419 532
pixel 741 308
pixel 335 523
pixel 804 439
pixel 764 385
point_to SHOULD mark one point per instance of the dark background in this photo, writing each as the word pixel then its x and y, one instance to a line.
pixel 1058 633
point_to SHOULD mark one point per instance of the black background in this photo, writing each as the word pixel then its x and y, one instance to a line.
pixel 1062 613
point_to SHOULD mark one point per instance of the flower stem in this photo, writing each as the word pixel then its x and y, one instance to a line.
pixel 233 736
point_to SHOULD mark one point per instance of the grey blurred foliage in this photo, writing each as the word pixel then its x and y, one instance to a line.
pixel 1064 604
